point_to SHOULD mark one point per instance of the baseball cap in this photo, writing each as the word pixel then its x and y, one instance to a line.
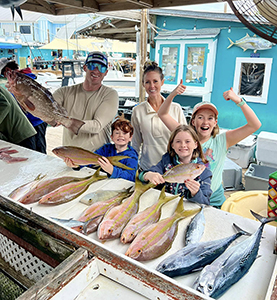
pixel 3 62
pixel 205 105
pixel 97 57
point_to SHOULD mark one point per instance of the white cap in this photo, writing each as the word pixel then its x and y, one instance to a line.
pixel 203 105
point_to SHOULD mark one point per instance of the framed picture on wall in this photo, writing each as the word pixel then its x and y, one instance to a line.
pixel 252 77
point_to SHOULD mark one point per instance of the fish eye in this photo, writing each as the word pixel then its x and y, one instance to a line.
pixel 139 251
pixel 210 287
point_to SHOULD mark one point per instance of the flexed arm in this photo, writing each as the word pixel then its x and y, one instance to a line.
pixel 163 112
pixel 253 123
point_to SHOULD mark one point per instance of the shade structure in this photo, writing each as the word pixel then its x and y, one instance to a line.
pixel 9 45
pixel 93 44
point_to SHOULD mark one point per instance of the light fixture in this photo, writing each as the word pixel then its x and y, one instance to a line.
pixel 194 28
pixel 164 24
pixel 229 30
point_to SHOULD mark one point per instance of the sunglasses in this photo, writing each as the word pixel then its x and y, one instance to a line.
pixel 92 65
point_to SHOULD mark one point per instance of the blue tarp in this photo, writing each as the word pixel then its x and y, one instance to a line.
pixel 9 45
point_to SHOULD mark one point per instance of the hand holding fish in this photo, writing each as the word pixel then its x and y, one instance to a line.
pixel 105 164
pixel 70 163
pixel 154 177
pixel 231 95
pixel 193 186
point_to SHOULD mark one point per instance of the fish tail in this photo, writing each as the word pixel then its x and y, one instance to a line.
pixel 114 160
pixel 262 219
pixel 164 199
pixel 75 125
pixel 184 213
pixel 97 176
pixel 231 43
pixel 240 230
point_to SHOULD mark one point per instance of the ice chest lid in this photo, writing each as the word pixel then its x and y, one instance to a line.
pixel 248 141
pixel 267 135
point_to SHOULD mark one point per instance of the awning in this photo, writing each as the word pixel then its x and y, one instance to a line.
pixel 9 45
pixel 94 44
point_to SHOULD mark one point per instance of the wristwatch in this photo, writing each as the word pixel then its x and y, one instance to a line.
pixel 241 103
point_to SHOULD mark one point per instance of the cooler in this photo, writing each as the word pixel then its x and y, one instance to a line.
pixel 243 152
pixel 232 175
pixel 266 151
pixel 257 176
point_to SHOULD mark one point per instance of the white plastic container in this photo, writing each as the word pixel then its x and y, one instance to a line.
pixel 266 151
pixel 232 176
pixel 243 152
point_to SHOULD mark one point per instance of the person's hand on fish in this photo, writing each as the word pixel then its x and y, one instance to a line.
pixel 70 163
pixel 180 89
pixel 105 164
pixel 231 95
pixel 193 186
pixel 154 177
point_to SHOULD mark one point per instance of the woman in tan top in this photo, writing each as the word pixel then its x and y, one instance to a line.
pixel 150 134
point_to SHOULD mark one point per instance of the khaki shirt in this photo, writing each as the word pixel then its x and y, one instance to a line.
pixel 96 108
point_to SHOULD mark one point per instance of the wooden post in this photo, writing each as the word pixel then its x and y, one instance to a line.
pixel 143 51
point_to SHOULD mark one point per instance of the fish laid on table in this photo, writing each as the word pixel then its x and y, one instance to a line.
pixel 83 227
pixel 11 159
pixel 70 191
pixel 8 150
pixel 116 218
pixel 215 279
pixel 20 191
pixel 182 172
pixel 146 217
pixel 37 100
pixel 102 195
pixel 82 157
pixel 196 256
pixel 196 227
pixel 43 187
pixel 96 211
pixel 156 239
pixel 251 42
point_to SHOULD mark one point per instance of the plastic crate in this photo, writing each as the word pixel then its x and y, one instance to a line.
pixel 232 175
pixel 266 151
pixel 257 176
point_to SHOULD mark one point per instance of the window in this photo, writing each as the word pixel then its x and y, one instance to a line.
pixel 24 29
pixel 252 77
pixel 195 64
pixel 169 62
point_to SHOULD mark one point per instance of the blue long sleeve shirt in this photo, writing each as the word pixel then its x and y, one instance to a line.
pixel 132 162
pixel 202 196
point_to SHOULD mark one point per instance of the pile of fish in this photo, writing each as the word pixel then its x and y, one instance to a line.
pixel 54 191
pixel 82 157
pixel 5 155
pixel 38 101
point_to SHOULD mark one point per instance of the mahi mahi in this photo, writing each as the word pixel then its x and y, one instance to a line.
pixel 156 239
pixel 215 279
pixel 182 172
pixel 82 157
pixel 195 256
pixel 70 191
pixel 146 217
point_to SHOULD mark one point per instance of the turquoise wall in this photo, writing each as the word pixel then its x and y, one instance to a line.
pixel 230 116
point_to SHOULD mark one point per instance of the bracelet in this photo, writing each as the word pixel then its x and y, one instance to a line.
pixel 241 103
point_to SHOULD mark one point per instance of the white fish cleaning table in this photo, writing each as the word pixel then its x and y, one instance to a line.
pixel 256 285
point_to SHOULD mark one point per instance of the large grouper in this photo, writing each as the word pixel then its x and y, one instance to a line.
pixel 37 100
pixel 215 279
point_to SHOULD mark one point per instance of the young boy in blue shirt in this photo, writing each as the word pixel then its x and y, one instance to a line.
pixel 122 133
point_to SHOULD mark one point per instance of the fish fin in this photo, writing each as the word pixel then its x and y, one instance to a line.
pixel 17 8
pixel 262 219
pixel 244 49
pixel 255 50
pixel 29 105
pixel 98 176
pixel 75 125
pixel 164 199
pixel 247 35
pixel 231 43
pixel 12 10
pixel 142 186
pixel 114 160
pixel 238 229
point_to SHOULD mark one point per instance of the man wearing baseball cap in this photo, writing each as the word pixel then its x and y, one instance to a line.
pixel 92 102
